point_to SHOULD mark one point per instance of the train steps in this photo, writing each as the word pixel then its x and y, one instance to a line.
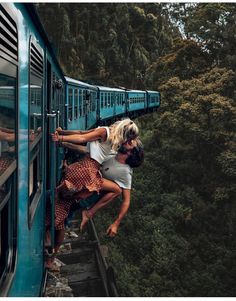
pixel 83 269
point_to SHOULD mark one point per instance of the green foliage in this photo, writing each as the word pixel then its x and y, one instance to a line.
pixel 179 236
pixel 107 43
pixel 213 25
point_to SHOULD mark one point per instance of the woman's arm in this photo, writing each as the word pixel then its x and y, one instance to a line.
pixel 75 147
pixel 72 132
pixel 6 130
pixel 9 137
pixel 99 133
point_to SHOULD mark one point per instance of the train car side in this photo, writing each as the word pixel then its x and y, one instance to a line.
pixel 35 99
pixel 29 68
pixel 82 104
pixel 111 102
pixel 153 99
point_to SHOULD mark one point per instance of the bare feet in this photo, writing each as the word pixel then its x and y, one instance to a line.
pixel 85 219
pixel 51 265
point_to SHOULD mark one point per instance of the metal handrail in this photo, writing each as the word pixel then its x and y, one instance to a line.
pixel 108 277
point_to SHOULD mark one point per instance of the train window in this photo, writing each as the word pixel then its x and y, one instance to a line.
pixel 84 103
pixel 76 100
pixel 80 103
pixel 7 170
pixel 110 103
pixel 101 100
pixel 61 107
pixel 93 101
pixel 106 100
pixel 111 99
pixel 70 104
pixel 35 126
pixel 88 101
pixel 8 145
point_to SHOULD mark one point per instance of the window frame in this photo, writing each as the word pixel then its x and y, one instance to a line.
pixel 35 149
pixel 76 103
pixel 70 107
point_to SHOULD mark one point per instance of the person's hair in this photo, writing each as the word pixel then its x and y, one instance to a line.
pixel 136 156
pixel 122 131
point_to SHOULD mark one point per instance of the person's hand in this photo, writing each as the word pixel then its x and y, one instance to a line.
pixel 58 129
pixel 39 129
pixel 31 135
pixel 55 137
pixel 112 230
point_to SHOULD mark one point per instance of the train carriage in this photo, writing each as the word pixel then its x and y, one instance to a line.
pixel 111 102
pixel 136 100
pixel 153 99
pixel 82 104
pixel 35 99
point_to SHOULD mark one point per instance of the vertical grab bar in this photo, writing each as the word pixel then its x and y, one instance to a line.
pixel 52 126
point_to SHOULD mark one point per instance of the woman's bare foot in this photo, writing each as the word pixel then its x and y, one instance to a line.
pixel 85 219
pixel 51 265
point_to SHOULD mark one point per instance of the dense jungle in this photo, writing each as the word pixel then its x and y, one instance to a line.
pixel 179 237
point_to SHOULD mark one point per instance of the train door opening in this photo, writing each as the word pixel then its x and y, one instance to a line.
pixel 50 150
pixel 47 125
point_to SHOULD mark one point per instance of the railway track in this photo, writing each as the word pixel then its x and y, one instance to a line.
pixel 84 271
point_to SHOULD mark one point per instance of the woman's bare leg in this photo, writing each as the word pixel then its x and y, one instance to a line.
pixel 59 237
pixel 113 191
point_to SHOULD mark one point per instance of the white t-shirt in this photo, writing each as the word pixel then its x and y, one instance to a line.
pixel 117 172
pixel 99 151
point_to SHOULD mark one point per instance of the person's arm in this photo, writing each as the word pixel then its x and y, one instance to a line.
pixel 113 228
pixel 9 137
pixel 75 147
pixel 99 133
pixel 72 132
pixel 6 130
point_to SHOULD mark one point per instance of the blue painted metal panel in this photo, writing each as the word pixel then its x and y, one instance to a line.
pixel 92 119
pixel 106 113
pixel 29 270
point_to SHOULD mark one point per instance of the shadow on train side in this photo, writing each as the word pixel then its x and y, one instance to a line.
pixel 35 98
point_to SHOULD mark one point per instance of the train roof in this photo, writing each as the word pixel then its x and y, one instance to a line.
pixel 135 91
pixel 150 91
pixel 3 88
pixel 103 88
pixel 80 83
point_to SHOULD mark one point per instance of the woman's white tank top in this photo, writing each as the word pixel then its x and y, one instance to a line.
pixel 100 150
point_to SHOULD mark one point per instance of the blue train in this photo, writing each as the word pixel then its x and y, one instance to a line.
pixel 35 98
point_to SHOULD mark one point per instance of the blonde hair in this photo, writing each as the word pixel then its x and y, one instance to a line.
pixel 121 131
